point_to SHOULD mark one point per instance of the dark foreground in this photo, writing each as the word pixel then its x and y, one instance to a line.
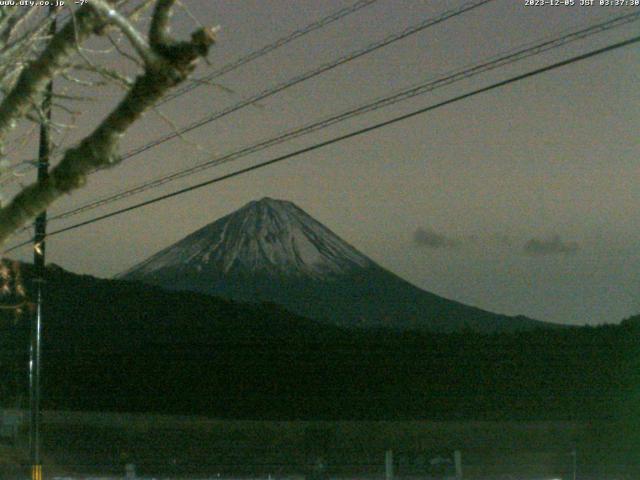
pixel 83 444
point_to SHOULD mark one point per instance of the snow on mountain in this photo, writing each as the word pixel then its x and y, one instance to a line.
pixel 270 236
pixel 271 250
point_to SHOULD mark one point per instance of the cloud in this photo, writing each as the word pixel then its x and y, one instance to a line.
pixel 431 239
pixel 550 246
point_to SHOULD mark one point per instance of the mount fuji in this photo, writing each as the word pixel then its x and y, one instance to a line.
pixel 272 251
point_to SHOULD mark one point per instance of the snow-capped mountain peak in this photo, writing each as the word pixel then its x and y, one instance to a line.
pixel 271 250
pixel 270 236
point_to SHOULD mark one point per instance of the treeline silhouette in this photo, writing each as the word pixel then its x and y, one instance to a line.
pixel 118 346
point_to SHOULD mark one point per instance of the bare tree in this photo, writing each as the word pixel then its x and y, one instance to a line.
pixel 30 58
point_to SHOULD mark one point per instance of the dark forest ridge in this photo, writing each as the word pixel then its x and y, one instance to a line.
pixel 114 345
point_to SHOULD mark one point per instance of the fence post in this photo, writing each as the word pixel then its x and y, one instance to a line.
pixel 457 460
pixel 388 464
pixel 130 471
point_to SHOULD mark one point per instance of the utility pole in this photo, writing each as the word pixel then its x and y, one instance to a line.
pixel 39 265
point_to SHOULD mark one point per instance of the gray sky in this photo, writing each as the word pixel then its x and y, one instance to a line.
pixel 522 200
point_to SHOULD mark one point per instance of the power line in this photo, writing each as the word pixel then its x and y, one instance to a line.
pixel 229 67
pixel 281 42
pixel 447 79
pixel 361 131
pixel 311 74
pixel 307 76
pixel 425 24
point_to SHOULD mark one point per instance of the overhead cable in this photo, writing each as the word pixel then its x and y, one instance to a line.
pixel 425 87
pixel 340 138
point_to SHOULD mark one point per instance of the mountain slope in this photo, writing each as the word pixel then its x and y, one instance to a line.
pixel 271 250
pixel 268 237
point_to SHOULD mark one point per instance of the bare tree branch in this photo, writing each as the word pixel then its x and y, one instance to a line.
pixel 137 40
pixel 172 62
pixel 33 79
pixel 159 31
